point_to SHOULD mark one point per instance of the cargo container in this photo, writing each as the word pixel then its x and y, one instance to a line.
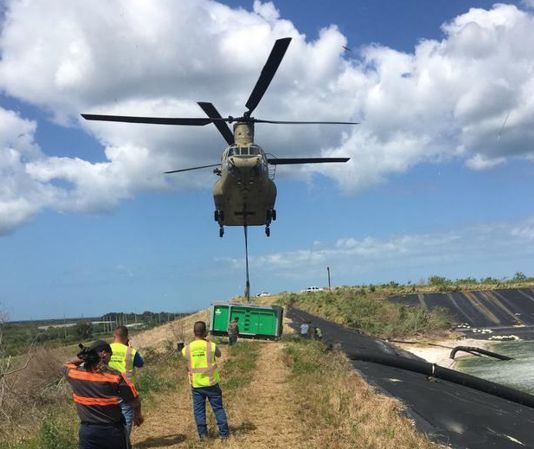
pixel 254 321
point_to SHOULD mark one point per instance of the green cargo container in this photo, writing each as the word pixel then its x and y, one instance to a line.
pixel 254 321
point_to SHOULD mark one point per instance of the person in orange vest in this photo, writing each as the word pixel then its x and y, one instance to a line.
pixel 125 359
pixel 97 390
pixel 201 356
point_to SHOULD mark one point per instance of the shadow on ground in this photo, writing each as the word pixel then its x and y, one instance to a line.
pixel 244 427
pixel 165 441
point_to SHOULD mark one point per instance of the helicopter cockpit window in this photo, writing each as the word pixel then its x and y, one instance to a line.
pixel 253 150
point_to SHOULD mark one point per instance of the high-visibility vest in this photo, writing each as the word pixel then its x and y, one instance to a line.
pixel 201 363
pixel 122 359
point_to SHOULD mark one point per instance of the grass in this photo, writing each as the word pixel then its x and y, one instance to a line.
pixel 163 372
pixel 238 368
pixel 340 409
pixel 370 311
pixel 57 429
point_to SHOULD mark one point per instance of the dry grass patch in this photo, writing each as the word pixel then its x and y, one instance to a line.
pixel 340 410
pixel 35 407
pixel 178 330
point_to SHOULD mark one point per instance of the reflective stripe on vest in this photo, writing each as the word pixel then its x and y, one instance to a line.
pixel 122 359
pixel 202 370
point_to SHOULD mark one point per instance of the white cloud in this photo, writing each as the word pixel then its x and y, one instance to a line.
pixel 480 162
pixel 524 231
pixel 468 96
pixel 20 196
pixel 491 249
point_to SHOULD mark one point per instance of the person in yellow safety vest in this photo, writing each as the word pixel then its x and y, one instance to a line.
pixel 201 357
pixel 125 359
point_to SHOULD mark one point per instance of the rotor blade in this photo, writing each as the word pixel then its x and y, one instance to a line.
pixel 223 128
pixel 283 122
pixel 151 120
pixel 306 160
pixel 192 168
pixel 267 73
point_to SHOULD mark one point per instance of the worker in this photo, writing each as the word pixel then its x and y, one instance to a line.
pixel 97 390
pixel 304 329
pixel 318 333
pixel 233 331
pixel 201 356
pixel 125 359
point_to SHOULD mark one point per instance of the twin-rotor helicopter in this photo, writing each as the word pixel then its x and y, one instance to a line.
pixel 245 192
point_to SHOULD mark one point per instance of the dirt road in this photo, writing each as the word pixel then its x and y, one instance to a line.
pixel 261 415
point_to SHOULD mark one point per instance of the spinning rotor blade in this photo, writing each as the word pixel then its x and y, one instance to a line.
pixel 150 120
pixel 283 122
pixel 267 73
pixel 223 128
pixel 192 168
pixel 306 160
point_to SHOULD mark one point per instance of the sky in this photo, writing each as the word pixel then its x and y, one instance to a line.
pixel 439 181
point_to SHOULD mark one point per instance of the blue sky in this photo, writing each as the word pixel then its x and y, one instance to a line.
pixel 436 183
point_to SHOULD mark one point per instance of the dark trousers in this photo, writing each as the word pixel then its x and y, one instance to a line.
pixel 102 437
pixel 214 396
pixel 232 339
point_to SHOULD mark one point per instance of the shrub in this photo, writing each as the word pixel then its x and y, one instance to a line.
pixel 84 330
pixel 57 432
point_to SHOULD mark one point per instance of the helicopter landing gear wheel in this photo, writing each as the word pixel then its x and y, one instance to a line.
pixel 270 215
pixel 221 231
pixel 218 216
pixel 267 231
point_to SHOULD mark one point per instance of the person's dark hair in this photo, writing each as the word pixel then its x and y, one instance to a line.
pixel 236 318
pixel 90 355
pixel 122 332
pixel 199 329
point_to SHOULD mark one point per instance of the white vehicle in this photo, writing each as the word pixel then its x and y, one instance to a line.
pixel 312 289
pixel 263 294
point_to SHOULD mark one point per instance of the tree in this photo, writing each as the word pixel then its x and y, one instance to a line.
pixel 519 277
pixel 84 329
pixel 438 281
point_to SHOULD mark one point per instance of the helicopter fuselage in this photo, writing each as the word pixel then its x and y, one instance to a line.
pixel 245 194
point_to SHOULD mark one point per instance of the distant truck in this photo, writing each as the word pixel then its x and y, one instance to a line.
pixel 312 289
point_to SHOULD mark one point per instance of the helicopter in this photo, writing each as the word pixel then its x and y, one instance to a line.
pixel 245 194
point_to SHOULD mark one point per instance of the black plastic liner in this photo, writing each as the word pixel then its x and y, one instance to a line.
pixel 433 370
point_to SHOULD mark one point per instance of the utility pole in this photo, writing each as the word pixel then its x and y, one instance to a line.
pixel 328 271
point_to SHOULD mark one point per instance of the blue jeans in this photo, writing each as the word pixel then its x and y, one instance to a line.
pixel 128 415
pixel 214 395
